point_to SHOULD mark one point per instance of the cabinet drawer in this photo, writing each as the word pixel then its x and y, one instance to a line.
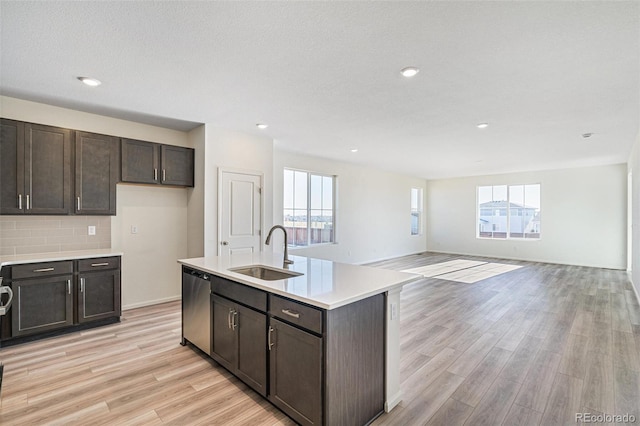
pixel 243 294
pixel 45 269
pixel 296 313
pixel 98 263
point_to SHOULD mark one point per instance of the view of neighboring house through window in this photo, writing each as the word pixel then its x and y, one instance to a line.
pixel 308 207
pixel 511 211
pixel 416 211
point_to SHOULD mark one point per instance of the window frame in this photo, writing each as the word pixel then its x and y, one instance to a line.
pixel 508 213
pixel 309 174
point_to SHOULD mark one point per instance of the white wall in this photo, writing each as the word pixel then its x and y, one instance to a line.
pixel 237 151
pixel 372 210
pixel 634 167
pixel 150 273
pixel 583 217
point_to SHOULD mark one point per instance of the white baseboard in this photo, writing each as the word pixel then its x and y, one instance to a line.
pixel 151 302
pixel 390 403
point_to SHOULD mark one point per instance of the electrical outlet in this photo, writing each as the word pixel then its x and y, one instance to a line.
pixel 134 229
pixel 91 230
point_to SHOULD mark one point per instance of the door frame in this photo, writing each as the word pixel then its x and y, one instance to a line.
pixel 221 171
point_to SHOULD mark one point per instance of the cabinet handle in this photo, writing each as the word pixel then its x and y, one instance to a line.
pixel 291 313
pixel 28 204
pixel 69 286
pixel 44 270
pixel 19 201
pixel 164 175
pixel 155 174
pixel 229 319
pixel 93 265
pixel 234 324
pixel 78 203
pixel 81 285
pixel 269 337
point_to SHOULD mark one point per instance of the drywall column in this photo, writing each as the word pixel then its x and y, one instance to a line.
pixel 393 393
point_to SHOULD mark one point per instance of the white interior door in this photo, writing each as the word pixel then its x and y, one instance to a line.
pixel 240 212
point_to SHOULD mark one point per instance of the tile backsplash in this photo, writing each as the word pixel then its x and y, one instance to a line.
pixel 46 234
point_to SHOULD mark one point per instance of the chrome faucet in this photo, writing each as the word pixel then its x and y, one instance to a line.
pixel 286 250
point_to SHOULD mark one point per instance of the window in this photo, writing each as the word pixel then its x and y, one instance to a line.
pixel 511 211
pixel 416 211
pixel 308 208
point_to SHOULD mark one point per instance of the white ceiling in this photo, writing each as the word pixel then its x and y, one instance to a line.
pixel 325 75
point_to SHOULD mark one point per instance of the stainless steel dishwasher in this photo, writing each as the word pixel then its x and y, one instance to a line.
pixel 196 309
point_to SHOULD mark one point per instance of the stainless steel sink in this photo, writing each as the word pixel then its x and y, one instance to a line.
pixel 265 273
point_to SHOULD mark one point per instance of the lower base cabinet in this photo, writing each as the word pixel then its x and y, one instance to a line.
pixel 239 342
pixel 320 367
pixel 50 297
pixel 42 304
pixel 295 384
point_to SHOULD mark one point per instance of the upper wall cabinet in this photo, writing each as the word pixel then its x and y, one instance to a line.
pixel 97 173
pixel 35 169
pixel 147 162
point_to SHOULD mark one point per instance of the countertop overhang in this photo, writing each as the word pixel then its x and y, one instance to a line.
pixel 56 256
pixel 324 283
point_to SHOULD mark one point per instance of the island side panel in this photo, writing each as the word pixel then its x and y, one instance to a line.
pixel 355 362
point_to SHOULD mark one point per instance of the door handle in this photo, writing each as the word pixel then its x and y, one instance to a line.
pixel 234 315
pixel 69 286
pixel 81 285
pixel 269 337
pixel 155 174
pixel 78 199
pixel 224 243
pixel 229 319
pixel 28 204
pixel 164 175
pixel 44 270
pixel 291 313
pixel 19 201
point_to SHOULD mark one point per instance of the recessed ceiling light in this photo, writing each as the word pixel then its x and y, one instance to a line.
pixel 483 125
pixel 262 126
pixel 354 150
pixel 90 81
pixel 409 71
pixel 587 135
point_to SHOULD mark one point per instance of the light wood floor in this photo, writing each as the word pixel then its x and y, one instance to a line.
pixel 532 346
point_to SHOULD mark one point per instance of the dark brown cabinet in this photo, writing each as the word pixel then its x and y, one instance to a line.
pixel 43 297
pixel 60 296
pixel 177 165
pixel 98 294
pixel 320 367
pixel 96 173
pixel 239 341
pixel 153 163
pixel 295 371
pixel 36 169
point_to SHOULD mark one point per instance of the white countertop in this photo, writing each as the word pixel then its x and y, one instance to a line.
pixel 325 284
pixel 56 256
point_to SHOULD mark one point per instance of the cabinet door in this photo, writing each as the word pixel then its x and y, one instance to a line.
pixel 47 169
pixel 41 305
pixel 140 161
pixel 97 169
pixel 223 343
pixel 98 295
pixel 251 329
pixel 12 194
pixel 295 372
pixel 177 165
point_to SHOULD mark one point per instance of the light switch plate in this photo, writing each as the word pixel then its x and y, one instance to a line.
pixel 134 229
pixel 91 230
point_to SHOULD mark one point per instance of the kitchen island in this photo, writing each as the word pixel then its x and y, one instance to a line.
pixel 322 344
